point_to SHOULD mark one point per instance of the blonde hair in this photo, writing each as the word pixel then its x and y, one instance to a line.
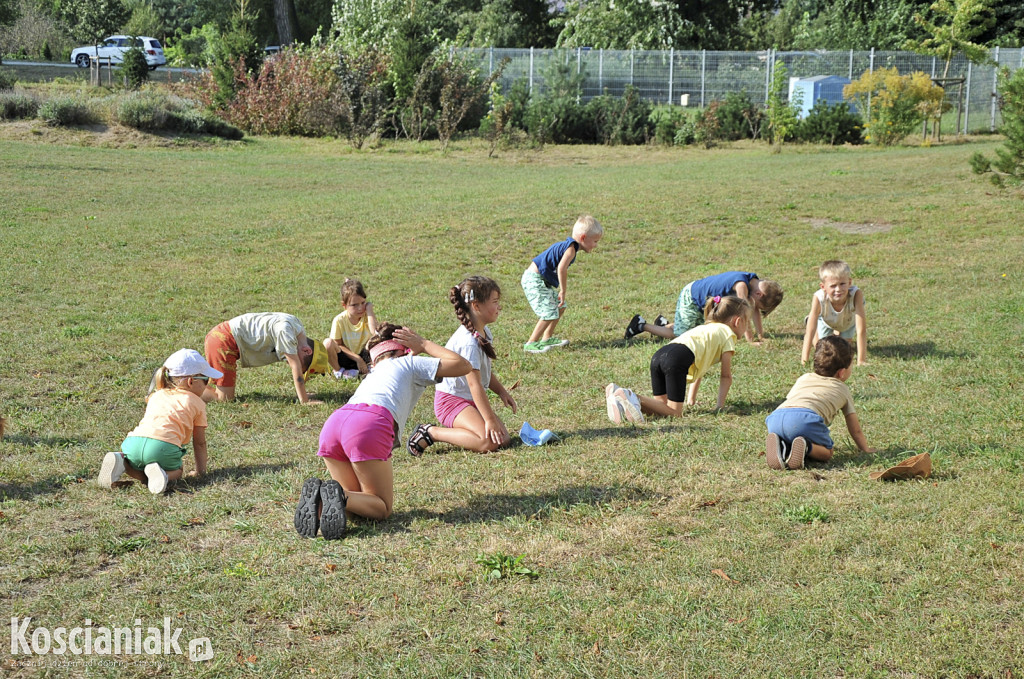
pixel 586 226
pixel 163 380
pixel 726 309
pixel 834 268
pixel 771 297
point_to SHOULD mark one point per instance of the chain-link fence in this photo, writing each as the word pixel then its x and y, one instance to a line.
pixel 696 78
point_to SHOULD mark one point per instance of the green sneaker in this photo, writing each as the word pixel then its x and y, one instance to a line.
pixel 553 342
pixel 536 347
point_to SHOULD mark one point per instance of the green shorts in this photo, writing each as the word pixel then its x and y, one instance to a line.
pixel 688 316
pixel 543 300
pixel 140 451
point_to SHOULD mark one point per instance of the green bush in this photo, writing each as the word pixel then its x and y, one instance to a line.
pixel 555 116
pixel 65 110
pixel 833 125
pixel 666 121
pixel 15 105
pixel 7 79
pixel 736 117
pixel 134 68
pixel 143 111
pixel 620 120
pixel 1008 165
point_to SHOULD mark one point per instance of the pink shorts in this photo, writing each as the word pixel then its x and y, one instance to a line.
pixel 448 406
pixel 357 432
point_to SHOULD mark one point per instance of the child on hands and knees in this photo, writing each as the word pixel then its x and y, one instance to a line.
pixel 683 362
pixel 350 331
pixel 545 280
pixel 357 439
pixel 837 309
pixel 765 296
pixel 175 414
pixel 460 403
pixel 798 428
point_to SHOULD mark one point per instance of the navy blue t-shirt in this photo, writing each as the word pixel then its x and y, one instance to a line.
pixel 720 284
pixel 547 261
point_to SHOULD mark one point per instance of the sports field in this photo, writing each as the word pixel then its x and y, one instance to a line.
pixel 666 550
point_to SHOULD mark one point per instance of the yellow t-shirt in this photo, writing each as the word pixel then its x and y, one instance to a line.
pixel 171 415
pixel 707 342
pixel 355 336
pixel 824 395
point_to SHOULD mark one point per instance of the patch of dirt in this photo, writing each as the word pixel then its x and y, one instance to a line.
pixel 849 227
pixel 103 136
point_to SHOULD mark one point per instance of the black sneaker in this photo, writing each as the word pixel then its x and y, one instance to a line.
pixel 332 514
pixel 661 321
pixel 307 513
pixel 635 327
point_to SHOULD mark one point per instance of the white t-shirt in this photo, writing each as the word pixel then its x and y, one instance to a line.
pixel 464 344
pixel 396 384
pixel 264 338
pixel 841 320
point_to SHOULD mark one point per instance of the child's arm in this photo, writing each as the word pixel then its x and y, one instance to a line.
pixel 498 388
pixel 692 399
pixel 860 318
pixel 812 327
pixel 300 382
pixel 742 291
pixel 494 428
pixel 452 365
pixel 371 320
pixel 199 450
pixel 725 381
pixel 563 273
pixel 853 426
pixel 360 363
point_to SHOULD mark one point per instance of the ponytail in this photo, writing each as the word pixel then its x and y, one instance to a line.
pixel 724 309
pixel 473 289
pixel 161 380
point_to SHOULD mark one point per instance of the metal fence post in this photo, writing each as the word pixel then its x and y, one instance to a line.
pixel 871 61
pixel 769 66
pixel 531 71
pixel 850 74
pixel 995 93
pixel 630 68
pixel 490 61
pixel 933 67
pixel 703 64
pixel 671 64
pixel 600 71
pixel 578 61
pixel 967 102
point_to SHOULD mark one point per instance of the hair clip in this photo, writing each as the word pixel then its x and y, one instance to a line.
pixel 469 296
pixel 716 299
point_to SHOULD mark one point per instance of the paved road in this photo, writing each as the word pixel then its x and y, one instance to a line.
pixel 172 69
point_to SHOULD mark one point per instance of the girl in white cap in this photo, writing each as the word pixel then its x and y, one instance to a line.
pixel 175 414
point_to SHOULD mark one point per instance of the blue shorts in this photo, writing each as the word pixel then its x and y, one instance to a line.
pixel 789 423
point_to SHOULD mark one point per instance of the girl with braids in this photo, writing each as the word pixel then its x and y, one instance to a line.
pixel 460 403
pixel 683 362
pixel 357 439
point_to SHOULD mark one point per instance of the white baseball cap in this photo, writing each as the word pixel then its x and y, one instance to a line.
pixel 187 362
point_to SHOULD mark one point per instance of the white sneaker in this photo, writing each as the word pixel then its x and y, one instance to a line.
pixel 157 478
pixel 351 374
pixel 615 413
pixel 630 405
pixel 111 469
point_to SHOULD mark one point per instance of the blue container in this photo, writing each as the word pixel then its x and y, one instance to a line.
pixel 817 88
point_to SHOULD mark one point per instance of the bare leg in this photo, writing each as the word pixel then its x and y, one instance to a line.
pixel 219 394
pixel 332 353
pixel 660 405
pixel 543 330
pixel 131 471
pixel 174 475
pixel 469 432
pixel 819 453
pixel 664 331
pixel 369 486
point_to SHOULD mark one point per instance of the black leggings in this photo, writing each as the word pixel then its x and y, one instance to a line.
pixel 669 367
pixel 347 363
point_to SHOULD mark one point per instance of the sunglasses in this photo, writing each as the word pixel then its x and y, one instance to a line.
pixel 202 378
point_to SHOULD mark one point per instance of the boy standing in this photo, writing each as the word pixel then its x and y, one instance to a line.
pixel 544 282
pixel 836 309
pixel 799 427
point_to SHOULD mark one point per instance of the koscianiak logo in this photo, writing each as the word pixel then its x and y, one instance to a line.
pixel 102 640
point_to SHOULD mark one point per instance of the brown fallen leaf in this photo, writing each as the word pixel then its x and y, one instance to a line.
pixel 995 546
pixel 245 424
pixel 330 567
pixel 499 618
pixel 737 622
pixel 518 382
pixel 597 648
pixel 164 539
pixel 720 573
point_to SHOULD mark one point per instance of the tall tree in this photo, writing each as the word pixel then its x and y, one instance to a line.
pixel 8 14
pixel 286 21
pixel 91 20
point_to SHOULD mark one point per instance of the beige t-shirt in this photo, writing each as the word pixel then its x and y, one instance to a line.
pixel 171 415
pixel 265 338
pixel 707 342
pixel 824 395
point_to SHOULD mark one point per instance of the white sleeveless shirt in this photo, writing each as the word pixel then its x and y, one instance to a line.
pixel 841 320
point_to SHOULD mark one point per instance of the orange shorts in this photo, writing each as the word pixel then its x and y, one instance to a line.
pixel 222 354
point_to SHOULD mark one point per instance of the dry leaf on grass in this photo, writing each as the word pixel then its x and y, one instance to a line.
pixel 720 573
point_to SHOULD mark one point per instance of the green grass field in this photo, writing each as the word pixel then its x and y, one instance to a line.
pixel 668 550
